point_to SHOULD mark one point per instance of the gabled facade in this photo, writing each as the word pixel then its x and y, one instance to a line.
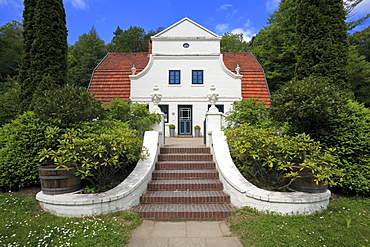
pixel 184 61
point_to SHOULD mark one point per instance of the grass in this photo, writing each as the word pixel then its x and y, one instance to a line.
pixel 346 222
pixel 23 223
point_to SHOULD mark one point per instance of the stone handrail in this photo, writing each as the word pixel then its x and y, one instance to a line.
pixel 122 197
pixel 243 193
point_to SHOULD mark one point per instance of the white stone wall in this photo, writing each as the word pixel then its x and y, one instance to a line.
pixel 122 197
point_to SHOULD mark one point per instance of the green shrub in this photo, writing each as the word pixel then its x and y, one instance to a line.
pixel 248 111
pixel 102 152
pixel 136 115
pixel 307 104
pixel 9 101
pixel 67 105
pixel 349 134
pixel 272 162
pixel 20 142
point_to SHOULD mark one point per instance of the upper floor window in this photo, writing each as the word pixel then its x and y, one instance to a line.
pixel 174 77
pixel 197 77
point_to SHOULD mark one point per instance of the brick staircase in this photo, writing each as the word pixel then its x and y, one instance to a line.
pixel 185 186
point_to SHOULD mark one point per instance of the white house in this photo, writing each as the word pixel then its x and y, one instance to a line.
pixel 184 61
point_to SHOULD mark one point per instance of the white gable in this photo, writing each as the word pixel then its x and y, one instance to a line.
pixel 186 38
pixel 186 28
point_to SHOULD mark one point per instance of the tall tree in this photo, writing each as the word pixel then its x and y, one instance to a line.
pixel 361 40
pixel 44 63
pixel 231 42
pixel 274 45
pixel 84 55
pixel 134 39
pixel 358 71
pixel 11 43
pixel 322 44
pixel 130 40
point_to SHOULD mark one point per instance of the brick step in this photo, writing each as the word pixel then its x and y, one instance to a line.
pixel 185 157
pixel 184 150
pixel 185 211
pixel 203 184
pixel 185 174
pixel 184 165
pixel 186 197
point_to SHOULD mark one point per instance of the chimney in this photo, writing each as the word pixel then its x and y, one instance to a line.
pixel 150 46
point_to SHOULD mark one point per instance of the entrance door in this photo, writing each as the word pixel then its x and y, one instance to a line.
pixel 185 119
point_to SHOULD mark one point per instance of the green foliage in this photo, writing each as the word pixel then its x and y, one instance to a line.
pixel 24 224
pixel 101 151
pixel 11 43
pixel 358 71
pixel 307 104
pixel 361 40
pixel 136 115
pixel 274 46
pixel 84 55
pixel 67 105
pixel 271 161
pixel 248 111
pixel 326 228
pixel 322 44
pixel 233 43
pixel 20 142
pixel 349 134
pixel 9 102
pixel 44 61
pixel 134 39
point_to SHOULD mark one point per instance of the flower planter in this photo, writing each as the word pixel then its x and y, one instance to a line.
pixel 197 133
pixel 58 181
pixel 306 183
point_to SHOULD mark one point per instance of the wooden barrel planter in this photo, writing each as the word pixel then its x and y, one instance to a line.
pixel 58 181
pixel 306 183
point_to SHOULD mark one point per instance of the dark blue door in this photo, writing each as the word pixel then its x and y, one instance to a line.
pixel 185 120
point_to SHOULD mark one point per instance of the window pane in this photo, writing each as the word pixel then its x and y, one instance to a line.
pixel 197 77
pixel 174 77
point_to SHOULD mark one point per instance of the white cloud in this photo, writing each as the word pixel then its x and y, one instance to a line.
pixel 79 4
pixel 12 3
pixel 222 28
pixel 248 33
pixel 363 7
pixel 272 5
pixel 225 6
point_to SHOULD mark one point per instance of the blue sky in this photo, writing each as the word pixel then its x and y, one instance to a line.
pixel 219 16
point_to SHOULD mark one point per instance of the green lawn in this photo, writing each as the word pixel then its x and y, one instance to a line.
pixel 22 223
pixel 346 222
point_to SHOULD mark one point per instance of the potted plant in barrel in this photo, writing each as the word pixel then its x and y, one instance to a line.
pixel 197 130
pixel 172 128
pixel 55 178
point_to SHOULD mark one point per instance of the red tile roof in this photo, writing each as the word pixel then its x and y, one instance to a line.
pixel 111 77
pixel 254 84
